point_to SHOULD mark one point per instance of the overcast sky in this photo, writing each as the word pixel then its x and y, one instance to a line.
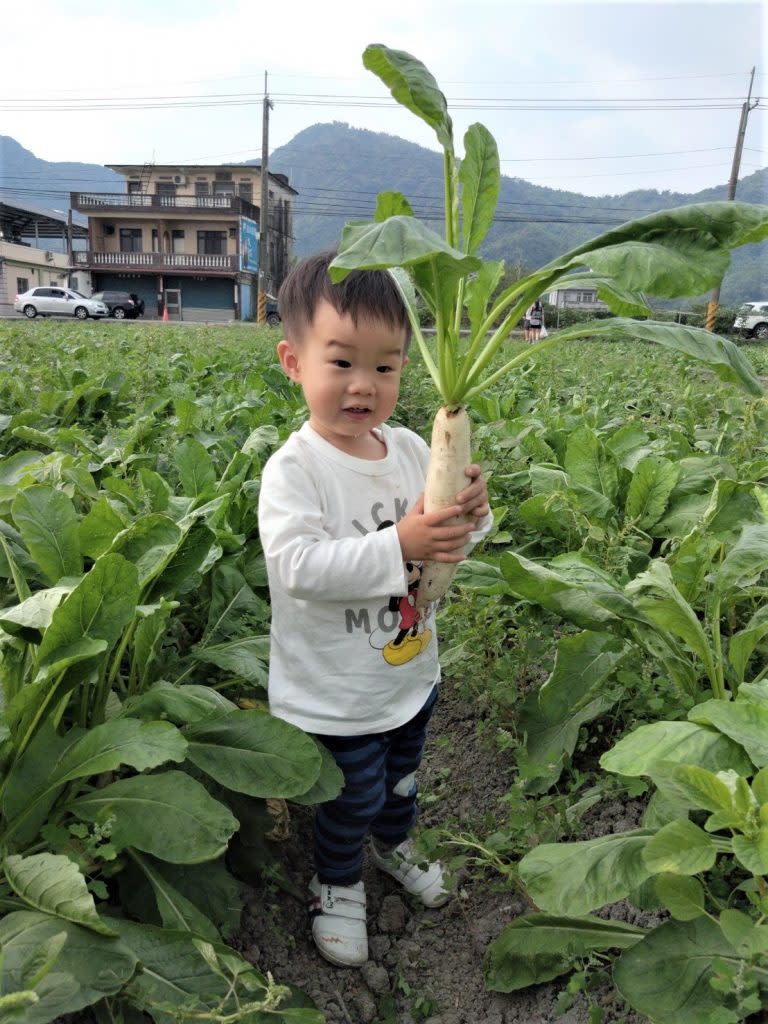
pixel 691 55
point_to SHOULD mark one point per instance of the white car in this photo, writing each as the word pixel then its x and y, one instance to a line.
pixel 53 301
pixel 752 320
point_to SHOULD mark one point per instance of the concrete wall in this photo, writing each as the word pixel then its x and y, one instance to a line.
pixel 23 261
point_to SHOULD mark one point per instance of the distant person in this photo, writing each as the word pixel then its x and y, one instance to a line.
pixel 534 318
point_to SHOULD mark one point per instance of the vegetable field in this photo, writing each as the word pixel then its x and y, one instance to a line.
pixel 607 647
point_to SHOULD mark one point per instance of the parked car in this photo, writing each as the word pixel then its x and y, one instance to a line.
pixel 752 320
pixel 53 301
pixel 273 315
pixel 121 304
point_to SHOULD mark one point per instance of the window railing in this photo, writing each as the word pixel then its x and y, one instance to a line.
pixel 152 201
pixel 157 260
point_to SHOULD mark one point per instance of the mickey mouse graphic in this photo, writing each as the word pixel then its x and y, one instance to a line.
pixel 410 641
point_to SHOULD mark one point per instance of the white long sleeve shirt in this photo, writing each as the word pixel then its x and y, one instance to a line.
pixel 349 655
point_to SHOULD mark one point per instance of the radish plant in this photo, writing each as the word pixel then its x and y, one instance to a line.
pixel 672 253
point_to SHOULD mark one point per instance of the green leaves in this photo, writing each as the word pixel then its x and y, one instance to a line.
pixel 400 241
pixel 681 848
pixel 87 967
pixel 542 586
pixel 574 878
pixel 480 178
pixel 539 947
pixel 412 86
pixel 141 745
pixel 652 483
pixel 681 895
pixel 54 885
pixel 651 747
pixel 744 721
pixel 573 694
pixel 667 976
pixel 586 463
pixel 195 827
pixel 674 253
pixel 46 520
pixel 254 753
pixel 196 471
pixel 721 356
pixel 97 609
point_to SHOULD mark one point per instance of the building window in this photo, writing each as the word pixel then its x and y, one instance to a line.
pixel 223 188
pixel 74 284
pixel 212 243
pixel 130 240
pixel 201 188
pixel 177 240
pixel 245 190
pixel 22 285
pixel 166 188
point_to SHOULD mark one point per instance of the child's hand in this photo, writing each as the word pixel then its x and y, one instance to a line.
pixel 474 497
pixel 426 535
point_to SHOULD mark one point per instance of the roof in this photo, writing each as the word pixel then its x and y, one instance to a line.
pixel 128 169
pixel 19 219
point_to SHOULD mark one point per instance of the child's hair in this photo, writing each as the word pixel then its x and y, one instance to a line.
pixel 366 294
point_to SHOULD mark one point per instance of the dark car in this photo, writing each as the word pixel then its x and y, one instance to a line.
pixel 273 316
pixel 121 305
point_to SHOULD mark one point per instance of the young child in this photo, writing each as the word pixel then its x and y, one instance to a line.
pixel 343 527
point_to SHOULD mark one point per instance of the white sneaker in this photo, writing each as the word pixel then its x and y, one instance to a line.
pixel 338 922
pixel 427 881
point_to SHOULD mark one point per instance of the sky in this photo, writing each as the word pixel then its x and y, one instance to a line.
pixel 182 82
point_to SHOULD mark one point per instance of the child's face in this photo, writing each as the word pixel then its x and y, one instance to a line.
pixel 350 375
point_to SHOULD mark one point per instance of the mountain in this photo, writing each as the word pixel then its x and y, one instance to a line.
pixel 338 171
pixel 37 182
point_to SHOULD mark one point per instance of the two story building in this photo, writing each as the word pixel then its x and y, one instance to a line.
pixel 186 238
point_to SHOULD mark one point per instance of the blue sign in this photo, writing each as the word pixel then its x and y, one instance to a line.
pixel 249 245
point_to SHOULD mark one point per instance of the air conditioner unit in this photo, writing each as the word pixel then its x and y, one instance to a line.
pixel 179 179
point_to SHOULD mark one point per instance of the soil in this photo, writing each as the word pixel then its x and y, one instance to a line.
pixel 425 963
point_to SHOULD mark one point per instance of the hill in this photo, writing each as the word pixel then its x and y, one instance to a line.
pixel 29 179
pixel 339 170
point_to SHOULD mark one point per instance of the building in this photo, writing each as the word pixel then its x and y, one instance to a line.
pixel 186 238
pixel 36 249
pixel 576 298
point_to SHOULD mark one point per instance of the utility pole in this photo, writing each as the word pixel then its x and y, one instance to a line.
pixel 264 210
pixel 714 299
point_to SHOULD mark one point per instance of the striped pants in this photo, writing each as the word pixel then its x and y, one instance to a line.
pixel 379 796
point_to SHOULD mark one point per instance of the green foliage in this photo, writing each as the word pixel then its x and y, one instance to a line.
pixel 712 954
pixel 132 590
pixel 683 251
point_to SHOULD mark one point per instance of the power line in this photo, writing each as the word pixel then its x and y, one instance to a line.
pixel 207 100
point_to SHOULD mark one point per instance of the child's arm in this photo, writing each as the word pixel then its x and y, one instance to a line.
pixel 312 565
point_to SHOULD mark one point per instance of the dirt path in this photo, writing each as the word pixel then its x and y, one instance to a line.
pixel 425 965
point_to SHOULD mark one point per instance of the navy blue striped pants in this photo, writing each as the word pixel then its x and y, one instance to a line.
pixel 379 796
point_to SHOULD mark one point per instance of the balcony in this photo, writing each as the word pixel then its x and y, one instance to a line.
pixel 155 203
pixel 158 262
